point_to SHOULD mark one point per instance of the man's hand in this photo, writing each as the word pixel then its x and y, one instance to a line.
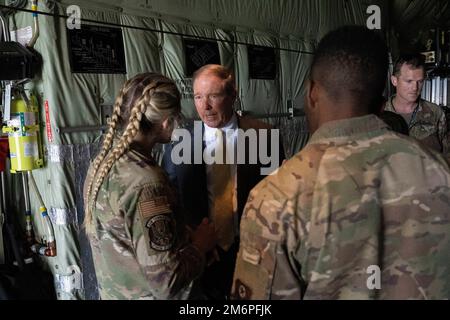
pixel 204 237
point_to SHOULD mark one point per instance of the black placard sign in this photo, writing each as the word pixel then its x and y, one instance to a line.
pixel 199 53
pixel 94 49
pixel 262 62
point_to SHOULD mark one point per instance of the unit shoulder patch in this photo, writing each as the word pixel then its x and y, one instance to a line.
pixel 161 232
pixel 158 224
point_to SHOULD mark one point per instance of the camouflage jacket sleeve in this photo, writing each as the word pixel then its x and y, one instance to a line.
pixel 170 263
pixel 302 236
pixel 271 231
pixel 444 136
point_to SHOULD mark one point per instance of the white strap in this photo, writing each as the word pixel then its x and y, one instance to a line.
pixel 60 216
pixel 71 281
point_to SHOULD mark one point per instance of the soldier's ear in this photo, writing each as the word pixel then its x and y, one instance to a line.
pixel 167 123
pixel 312 94
pixel 394 81
pixel 311 105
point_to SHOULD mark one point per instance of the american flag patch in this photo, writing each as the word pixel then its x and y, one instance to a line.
pixel 158 205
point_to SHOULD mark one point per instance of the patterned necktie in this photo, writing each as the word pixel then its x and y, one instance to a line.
pixel 223 195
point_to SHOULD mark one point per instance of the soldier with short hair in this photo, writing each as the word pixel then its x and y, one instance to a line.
pixel 140 247
pixel 362 212
pixel 426 121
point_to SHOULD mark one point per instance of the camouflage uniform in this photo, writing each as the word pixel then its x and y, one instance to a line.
pixel 139 251
pixel 428 126
pixel 357 196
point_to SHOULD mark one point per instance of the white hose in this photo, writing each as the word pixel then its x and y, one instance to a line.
pixel 5 27
pixel 36 24
pixel 47 222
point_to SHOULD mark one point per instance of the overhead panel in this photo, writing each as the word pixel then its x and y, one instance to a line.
pixel 96 49
pixel 198 53
pixel 262 62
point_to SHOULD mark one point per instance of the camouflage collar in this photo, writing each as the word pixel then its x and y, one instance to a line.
pixel 139 154
pixel 419 107
pixel 348 127
pixel 390 105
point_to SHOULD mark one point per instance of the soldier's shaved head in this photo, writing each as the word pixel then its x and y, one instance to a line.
pixel 351 64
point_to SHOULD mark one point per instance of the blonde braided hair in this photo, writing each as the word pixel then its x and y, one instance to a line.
pixel 148 98
pixel 108 139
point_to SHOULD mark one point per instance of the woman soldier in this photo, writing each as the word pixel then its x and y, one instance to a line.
pixel 141 250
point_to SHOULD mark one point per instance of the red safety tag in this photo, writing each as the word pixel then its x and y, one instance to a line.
pixel 47 123
pixel 3 153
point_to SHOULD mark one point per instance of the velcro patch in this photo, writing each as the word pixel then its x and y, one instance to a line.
pixel 158 224
pixel 251 256
pixel 161 232
pixel 241 291
pixel 157 205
